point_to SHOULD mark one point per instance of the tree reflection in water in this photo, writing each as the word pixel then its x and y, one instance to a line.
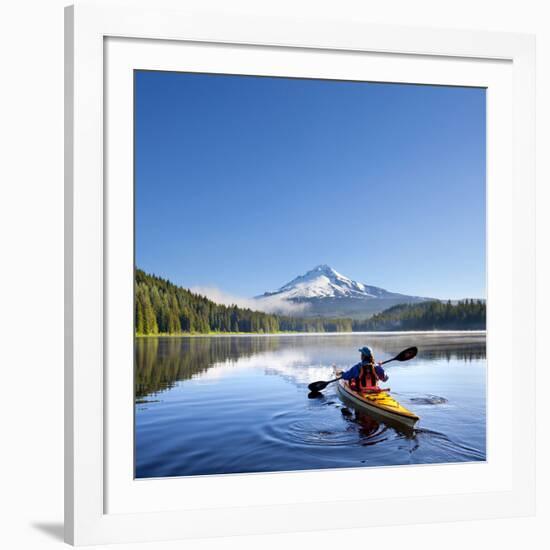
pixel 162 361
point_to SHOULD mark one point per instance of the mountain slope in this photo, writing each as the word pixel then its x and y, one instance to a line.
pixel 328 293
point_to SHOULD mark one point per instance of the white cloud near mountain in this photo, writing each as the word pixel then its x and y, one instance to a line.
pixel 270 304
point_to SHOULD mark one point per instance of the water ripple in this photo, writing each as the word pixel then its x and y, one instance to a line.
pixel 338 431
pixel 445 444
pixel 428 400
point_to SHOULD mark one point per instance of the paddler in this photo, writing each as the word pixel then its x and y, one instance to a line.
pixel 364 376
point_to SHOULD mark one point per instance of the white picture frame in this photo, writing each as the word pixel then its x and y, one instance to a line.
pixel 104 43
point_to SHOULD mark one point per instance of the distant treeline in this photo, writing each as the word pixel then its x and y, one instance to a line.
pixel 433 315
pixel 164 308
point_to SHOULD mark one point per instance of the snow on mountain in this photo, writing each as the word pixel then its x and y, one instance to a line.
pixel 324 292
pixel 324 282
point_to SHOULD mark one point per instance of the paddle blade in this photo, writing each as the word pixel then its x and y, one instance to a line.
pixel 316 387
pixel 407 354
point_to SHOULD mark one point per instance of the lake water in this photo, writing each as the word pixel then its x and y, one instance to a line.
pixel 233 404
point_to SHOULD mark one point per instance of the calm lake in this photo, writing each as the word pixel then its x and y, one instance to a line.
pixel 233 404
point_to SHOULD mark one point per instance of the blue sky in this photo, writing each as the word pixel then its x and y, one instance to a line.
pixel 243 183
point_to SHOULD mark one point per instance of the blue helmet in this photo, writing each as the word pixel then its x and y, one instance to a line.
pixel 365 350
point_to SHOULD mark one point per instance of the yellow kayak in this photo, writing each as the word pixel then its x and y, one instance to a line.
pixel 381 403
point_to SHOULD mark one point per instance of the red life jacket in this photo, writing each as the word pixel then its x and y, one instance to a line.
pixel 367 379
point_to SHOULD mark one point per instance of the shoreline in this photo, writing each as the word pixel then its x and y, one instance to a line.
pixel 273 334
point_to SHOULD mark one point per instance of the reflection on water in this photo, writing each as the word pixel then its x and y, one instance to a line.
pixel 211 405
pixel 160 362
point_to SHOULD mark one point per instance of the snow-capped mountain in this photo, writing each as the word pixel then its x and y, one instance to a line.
pixel 324 282
pixel 329 293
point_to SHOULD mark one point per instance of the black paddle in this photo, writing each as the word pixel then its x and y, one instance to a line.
pixel 405 355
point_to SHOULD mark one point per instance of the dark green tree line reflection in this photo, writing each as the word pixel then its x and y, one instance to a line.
pixel 162 361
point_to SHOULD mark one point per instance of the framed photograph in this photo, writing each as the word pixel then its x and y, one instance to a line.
pixel 299 273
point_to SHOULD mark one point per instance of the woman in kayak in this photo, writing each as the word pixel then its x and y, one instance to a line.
pixel 365 375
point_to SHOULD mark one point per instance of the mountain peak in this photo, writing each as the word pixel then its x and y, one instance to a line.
pixel 330 293
pixel 322 269
pixel 323 282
